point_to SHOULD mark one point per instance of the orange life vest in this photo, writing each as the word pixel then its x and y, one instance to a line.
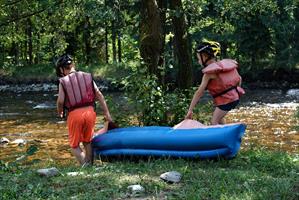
pixel 224 89
pixel 79 90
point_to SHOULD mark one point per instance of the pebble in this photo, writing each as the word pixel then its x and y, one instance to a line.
pixel 4 140
pixel 171 177
pixel 135 189
pixel 75 173
pixel 20 142
pixel 48 172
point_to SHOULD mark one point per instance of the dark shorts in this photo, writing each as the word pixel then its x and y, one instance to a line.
pixel 229 106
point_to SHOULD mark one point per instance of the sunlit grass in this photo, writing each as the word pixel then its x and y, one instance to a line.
pixel 253 174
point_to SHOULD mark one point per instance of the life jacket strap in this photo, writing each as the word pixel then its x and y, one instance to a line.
pixel 225 91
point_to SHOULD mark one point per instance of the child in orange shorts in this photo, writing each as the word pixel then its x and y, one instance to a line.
pixel 78 93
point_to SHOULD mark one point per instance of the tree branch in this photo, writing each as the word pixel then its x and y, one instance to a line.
pixel 11 3
pixel 24 16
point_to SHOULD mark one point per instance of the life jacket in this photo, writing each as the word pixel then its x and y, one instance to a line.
pixel 224 89
pixel 79 90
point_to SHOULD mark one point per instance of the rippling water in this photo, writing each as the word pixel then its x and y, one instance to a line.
pixel 269 115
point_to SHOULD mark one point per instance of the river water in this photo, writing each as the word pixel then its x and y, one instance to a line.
pixel 30 115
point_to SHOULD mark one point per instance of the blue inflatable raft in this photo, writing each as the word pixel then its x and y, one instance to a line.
pixel 208 142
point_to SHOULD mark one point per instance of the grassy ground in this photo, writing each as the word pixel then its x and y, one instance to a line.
pixel 253 174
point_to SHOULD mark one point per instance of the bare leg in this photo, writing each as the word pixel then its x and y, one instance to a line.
pixel 79 154
pixel 88 152
pixel 218 116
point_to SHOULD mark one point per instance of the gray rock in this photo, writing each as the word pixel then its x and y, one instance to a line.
pixel 75 173
pixel 4 140
pixel 19 142
pixel 171 177
pixel 135 189
pixel 45 105
pixel 48 172
pixel 21 158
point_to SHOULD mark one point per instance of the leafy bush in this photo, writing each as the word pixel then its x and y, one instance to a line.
pixel 155 104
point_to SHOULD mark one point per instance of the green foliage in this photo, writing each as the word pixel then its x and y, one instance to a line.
pixel 259 34
pixel 148 96
pixel 156 104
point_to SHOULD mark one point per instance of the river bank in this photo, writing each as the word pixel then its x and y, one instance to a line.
pixel 25 85
pixel 109 78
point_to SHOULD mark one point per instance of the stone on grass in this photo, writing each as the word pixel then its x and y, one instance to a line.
pixel 75 173
pixel 171 177
pixel 48 172
pixel 135 189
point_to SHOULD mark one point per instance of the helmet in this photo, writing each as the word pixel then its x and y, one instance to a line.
pixel 212 48
pixel 64 60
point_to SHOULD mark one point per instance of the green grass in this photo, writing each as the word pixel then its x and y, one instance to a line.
pixel 253 174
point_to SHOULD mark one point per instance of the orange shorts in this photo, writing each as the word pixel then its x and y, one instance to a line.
pixel 81 122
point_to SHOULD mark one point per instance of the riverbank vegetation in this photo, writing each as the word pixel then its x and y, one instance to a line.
pixel 253 174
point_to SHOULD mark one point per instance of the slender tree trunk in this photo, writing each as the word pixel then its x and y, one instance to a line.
pixel 2 54
pixel 296 33
pixel 151 35
pixel 185 78
pixel 86 36
pixel 113 41
pixel 36 56
pixel 119 47
pixel 14 51
pixel 106 38
pixel 162 4
pixel 106 44
pixel 30 45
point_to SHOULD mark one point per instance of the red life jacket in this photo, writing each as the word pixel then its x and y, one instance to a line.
pixel 224 89
pixel 79 90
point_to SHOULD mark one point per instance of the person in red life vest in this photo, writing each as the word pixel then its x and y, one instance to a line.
pixel 220 78
pixel 78 93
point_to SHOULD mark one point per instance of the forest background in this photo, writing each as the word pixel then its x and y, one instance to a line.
pixel 261 35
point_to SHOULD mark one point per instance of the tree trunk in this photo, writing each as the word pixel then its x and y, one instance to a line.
pixel 119 47
pixel 151 35
pixel 30 45
pixel 106 38
pixel 113 41
pixel 106 44
pixel 185 78
pixel 86 38
pixel 162 4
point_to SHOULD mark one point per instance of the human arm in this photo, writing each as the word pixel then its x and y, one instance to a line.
pixel 100 98
pixel 60 101
pixel 197 95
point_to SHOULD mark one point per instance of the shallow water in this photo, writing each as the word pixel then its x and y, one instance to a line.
pixel 268 114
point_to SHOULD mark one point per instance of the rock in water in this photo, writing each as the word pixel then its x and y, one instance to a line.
pixel 4 140
pixel 19 142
